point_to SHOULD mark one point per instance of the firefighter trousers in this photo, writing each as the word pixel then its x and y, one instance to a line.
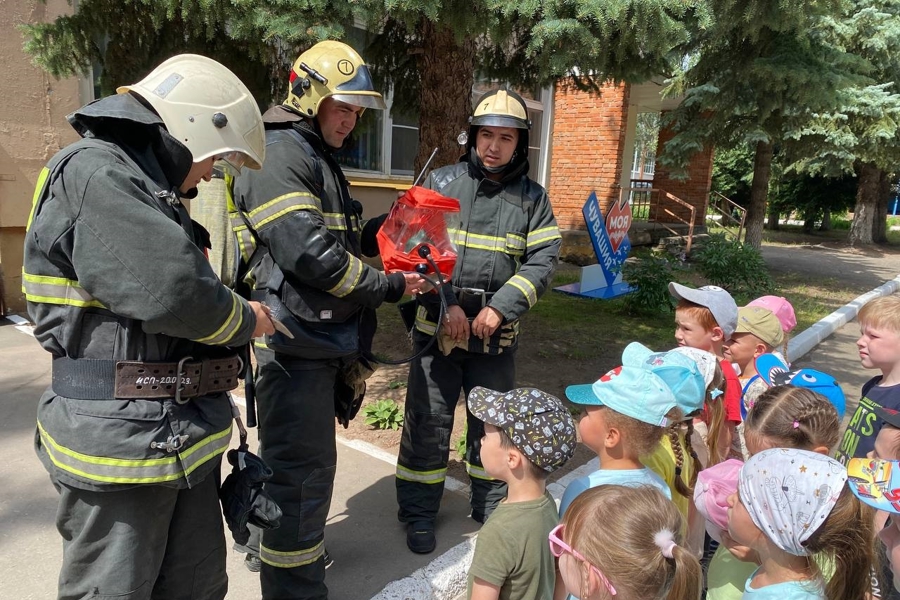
pixel 143 543
pixel 433 388
pixel 295 399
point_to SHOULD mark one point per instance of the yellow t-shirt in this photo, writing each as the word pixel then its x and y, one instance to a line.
pixel 662 462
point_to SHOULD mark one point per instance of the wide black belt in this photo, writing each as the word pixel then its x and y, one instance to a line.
pixel 87 379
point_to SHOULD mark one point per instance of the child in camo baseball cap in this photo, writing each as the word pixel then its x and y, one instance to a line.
pixel 536 422
pixel 527 435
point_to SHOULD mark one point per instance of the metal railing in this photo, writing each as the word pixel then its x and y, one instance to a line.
pixel 650 204
pixel 726 214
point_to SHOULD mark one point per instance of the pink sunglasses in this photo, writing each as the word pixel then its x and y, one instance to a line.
pixel 558 547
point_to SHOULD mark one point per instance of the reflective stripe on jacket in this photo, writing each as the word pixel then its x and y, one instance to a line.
pixel 113 271
pixel 508 241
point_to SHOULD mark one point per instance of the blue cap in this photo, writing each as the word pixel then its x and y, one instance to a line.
pixel 631 391
pixel 773 371
pixel 677 370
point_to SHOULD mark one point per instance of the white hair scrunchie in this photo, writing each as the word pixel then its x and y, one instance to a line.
pixel 665 541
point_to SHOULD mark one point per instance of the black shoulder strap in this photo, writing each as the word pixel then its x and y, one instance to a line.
pixel 319 175
pixel 346 200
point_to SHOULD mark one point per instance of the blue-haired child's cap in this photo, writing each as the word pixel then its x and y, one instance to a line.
pixel 631 391
pixel 680 372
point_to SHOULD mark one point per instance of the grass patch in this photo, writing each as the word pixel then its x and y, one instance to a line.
pixel 789 235
pixel 566 339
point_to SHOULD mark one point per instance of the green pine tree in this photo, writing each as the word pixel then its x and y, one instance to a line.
pixel 861 133
pixel 427 50
pixel 760 69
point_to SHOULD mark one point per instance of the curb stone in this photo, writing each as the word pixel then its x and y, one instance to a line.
pixel 445 577
pixel 802 343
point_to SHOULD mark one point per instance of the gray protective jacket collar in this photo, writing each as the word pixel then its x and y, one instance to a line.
pixel 126 121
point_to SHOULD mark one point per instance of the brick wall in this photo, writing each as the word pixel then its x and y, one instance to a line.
pixel 588 137
pixel 694 190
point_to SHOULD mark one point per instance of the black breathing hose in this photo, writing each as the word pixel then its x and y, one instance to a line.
pixel 425 252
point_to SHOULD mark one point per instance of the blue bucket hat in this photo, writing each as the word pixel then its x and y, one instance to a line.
pixel 632 391
pixel 677 370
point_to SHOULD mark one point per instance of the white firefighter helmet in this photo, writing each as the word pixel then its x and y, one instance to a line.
pixel 207 108
pixel 330 69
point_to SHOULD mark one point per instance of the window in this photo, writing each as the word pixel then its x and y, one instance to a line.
pixel 404 142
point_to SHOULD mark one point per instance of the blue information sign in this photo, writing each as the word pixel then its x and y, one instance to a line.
pixel 609 237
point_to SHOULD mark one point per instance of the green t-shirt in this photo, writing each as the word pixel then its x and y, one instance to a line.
pixel 512 551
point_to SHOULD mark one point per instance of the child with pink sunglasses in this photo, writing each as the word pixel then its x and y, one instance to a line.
pixel 625 543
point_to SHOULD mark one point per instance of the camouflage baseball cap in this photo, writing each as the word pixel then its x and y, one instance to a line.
pixel 536 422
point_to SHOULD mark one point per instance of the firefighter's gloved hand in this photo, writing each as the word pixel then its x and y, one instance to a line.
pixel 244 500
pixel 507 334
pixel 350 389
pixel 446 343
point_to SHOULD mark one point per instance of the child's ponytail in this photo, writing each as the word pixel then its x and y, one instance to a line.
pixel 688 575
pixel 642 551
pixel 715 406
pixel 685 488
pixel 847 538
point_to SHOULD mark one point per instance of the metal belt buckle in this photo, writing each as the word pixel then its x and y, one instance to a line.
pixel 179 377
pixel 476 292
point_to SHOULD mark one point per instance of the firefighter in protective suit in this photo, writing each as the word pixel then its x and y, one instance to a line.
pixel 134 423
pixel 508 247
pixel 298 207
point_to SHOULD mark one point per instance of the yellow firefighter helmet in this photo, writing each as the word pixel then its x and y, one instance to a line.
pixel 330 69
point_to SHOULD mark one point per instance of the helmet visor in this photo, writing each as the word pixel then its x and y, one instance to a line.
pixel 362 99
pixel 233 162
pixel 500 121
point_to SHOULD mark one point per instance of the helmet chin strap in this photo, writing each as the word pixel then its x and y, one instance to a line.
pixel 473 156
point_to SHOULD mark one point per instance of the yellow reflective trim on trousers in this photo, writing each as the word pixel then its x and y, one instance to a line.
pixel 56 290
pixel 38 192
pixel 429 477
pixel 526 287
pixel 280 206
pixel 335 221
pixel 123 470
pixel 545 234
pixel 422 323
pixel 477 472
pixel 229 328
pixel 352 275
pixel 288 560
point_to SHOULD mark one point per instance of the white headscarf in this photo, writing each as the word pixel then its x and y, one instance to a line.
pixel 789 494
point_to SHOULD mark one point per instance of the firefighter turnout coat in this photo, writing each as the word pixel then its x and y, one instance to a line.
pixel 299 207
pixel 507 243
pixel 114 271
